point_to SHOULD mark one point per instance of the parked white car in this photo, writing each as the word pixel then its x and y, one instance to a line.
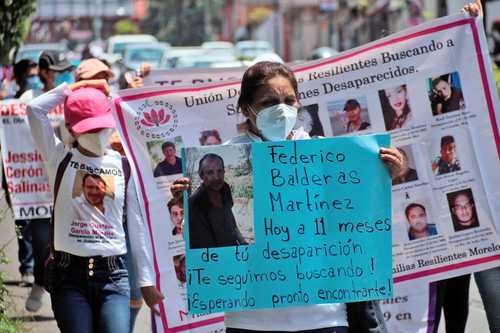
pixel 250 49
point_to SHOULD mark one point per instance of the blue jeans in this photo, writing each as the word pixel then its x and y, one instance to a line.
pixel 38 232
pixel 91 294
pixel 488 283
pixel 25 248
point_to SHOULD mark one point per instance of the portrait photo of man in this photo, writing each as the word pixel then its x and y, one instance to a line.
pixel 171 164
pixel 447 161
pixel 444 95
pixel 93 201
pixel 418 225
pixel 355 123
pixel 211 219
pixel 176 211
pixel 463 210
pixel 348 115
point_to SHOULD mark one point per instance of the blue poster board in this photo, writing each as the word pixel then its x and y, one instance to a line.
pixel 321 228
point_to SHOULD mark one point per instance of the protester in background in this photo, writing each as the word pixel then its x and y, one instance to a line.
pixel 54 69
pixel 24 72
pixel 93 69
pixel 26 76
pixel 90 291
pixel 269 101
pixel 50 65
pixel 134 79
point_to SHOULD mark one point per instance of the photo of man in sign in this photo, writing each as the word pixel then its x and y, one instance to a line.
pixel 219 208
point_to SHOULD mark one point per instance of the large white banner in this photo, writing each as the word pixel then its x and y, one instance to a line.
pixel 192 76
pixel 27 181
pixel 430 87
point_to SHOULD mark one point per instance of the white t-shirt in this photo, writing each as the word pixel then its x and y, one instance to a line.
pixel 88 185
pixel 301 318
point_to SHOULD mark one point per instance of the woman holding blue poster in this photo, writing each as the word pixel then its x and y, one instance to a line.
pixel 269 100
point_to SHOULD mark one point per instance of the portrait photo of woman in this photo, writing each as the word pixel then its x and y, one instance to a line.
pixel 395 107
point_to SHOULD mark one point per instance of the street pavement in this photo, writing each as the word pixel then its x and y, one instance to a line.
pixel 43 321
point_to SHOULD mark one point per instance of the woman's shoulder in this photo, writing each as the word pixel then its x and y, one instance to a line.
pixel 246 137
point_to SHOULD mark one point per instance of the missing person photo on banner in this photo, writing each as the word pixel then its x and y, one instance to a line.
pixel 445 93
pixel 349 116
pixel 396 107
pixel 221 202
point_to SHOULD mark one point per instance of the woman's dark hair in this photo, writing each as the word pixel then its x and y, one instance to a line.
pixel 259 74
pixel 390 118
pixel 317 127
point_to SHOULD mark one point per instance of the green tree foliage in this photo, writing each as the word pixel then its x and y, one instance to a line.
pixel 176 21
pixel 126 26
pixel 182 22
pixel 14 18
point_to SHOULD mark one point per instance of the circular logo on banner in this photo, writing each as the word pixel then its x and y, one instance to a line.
pixel 156 119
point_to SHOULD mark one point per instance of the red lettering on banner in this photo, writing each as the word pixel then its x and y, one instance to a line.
pixel 13 157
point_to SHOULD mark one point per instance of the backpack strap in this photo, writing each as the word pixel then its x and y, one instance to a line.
pixel 57 183
pixel 126 176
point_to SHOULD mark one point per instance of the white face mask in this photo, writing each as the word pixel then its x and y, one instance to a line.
pixel 96 142
pixel 277 121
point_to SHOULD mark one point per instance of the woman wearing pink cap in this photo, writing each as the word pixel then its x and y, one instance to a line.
pixel 92 194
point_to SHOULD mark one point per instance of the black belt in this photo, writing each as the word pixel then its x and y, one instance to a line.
pixel 109 263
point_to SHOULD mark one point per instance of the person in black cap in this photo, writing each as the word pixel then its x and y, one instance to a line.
pixel 51 64
pixel 54 69
pixel 352 110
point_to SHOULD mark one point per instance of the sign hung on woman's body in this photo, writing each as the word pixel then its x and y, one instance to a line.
pixel 430 87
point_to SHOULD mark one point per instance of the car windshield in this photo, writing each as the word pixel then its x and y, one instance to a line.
pixel 120 47
pixel 32 55
pixel 153 55
pixel 254 49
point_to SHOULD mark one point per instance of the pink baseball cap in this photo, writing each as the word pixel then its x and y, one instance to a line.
pixel 90 67
pixel 88 109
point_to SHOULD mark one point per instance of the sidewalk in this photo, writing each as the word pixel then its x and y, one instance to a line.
pixel 43 321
